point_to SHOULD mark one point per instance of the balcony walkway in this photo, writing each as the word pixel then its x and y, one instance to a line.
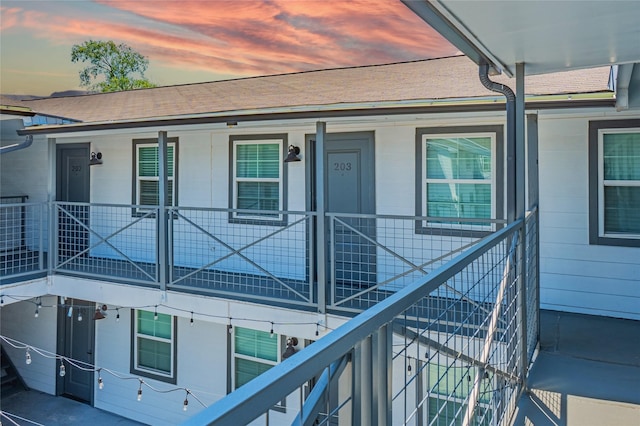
pixel 586 374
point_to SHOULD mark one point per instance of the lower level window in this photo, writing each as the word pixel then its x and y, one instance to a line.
pixel 154 345
pixel 254 353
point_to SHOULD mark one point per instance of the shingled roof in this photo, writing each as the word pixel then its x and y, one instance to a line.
pixel 435 79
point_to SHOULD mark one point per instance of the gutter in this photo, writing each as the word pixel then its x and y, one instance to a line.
pixel 623 80
pixel 17 146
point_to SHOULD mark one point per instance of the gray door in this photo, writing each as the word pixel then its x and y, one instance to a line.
pixel 76 341
pixel 73 186
pixel 350 188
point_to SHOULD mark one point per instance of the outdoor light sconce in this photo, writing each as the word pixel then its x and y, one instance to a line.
pixel 291 343
pixel 96 158
pixel 293 154
pixel 101 313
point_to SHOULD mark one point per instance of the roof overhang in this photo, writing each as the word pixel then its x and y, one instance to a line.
pixel 432 106
pixel 546 36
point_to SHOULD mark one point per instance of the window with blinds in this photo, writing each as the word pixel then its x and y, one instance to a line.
pixel 619 200
pixel 458 173
pixel 146 185
pixel 257 178
pixel 154 345
pixel 254 353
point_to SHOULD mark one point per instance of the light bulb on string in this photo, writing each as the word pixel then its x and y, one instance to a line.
pixel 117 314
pixel 63 370
pixel 37 313
pixel 191 321
pixel 155 313
pixel 185 405
pixel 79 315
pixel 27 357
pixel 140 391
pixel 230 326
pixel 408 368
pixel 39 305
pixel 271 332
pixel 317 329
pixel 100 383
pixel 1 300
pixel 70 312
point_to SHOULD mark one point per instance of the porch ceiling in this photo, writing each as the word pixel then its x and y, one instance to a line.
pixel 547 36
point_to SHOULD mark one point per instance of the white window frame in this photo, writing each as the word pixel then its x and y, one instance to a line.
pixel 139 179
pixel 149 372
pixel 491 181
pixel 602 183
pixel 279 180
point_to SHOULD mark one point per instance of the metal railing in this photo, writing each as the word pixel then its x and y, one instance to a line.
pixel 373 256
pixel 23 236
pixel 451 348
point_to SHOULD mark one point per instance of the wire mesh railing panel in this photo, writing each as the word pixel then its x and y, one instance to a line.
pixel 110 241
pixel 459 346
pixel 447 349
pixel 22 238
pixel 372 256
pixel 252 259
pixel 532 285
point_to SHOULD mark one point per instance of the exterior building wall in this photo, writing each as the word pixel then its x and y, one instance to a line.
pixel 576 276
pixel 18 321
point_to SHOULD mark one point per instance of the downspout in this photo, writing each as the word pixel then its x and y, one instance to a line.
pixel 17 146
pixel 510 137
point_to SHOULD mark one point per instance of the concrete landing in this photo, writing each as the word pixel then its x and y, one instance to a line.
pixel 587 373
pixel 33 408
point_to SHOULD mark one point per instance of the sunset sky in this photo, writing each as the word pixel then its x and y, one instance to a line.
pixel 194 41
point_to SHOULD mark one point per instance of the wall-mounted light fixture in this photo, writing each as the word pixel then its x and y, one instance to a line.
pixel 232 123
pixel 293 154
pixel 96 158
pixel 101 313
pixel 291 344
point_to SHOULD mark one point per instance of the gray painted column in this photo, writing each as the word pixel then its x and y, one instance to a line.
pixel 520 214
pixel 382 376
pixel 321 235
pixel 532 161
pixel 163 246
pixel 51 197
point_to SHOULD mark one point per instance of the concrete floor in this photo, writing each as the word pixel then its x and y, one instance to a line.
pixel 33 408
pixel 587 373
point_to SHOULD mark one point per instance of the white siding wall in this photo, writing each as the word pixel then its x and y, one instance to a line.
pixel 26 172
pixel 201 357
pixel 18 322
pixel 576 276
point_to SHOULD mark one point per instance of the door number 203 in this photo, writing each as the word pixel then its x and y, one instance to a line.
pixel 342 167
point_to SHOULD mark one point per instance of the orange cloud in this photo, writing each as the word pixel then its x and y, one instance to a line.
pixel 247 37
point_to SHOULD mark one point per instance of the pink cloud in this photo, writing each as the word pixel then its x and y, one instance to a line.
pixel 249 37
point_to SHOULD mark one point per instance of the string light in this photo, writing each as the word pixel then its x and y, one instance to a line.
pixel 90 368
pixel 271 331
pixel 191 321
pixel 70 312
pixel 317 329
pixel 37 313
pixel 27 357
pixel 186 401
pixel 155 313
pixel 79 315
pixel 117 314
pixel 408 368
pixel 1 300
pixel 230 326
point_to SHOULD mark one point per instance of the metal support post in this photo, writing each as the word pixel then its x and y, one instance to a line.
pixel 321 239
pixel 382 376
pixel 162 217
pixel 520 212
pixel 53 212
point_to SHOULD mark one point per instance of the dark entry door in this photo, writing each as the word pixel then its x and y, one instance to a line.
pixel 73 186
pixel 77 337
pixel 350 188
